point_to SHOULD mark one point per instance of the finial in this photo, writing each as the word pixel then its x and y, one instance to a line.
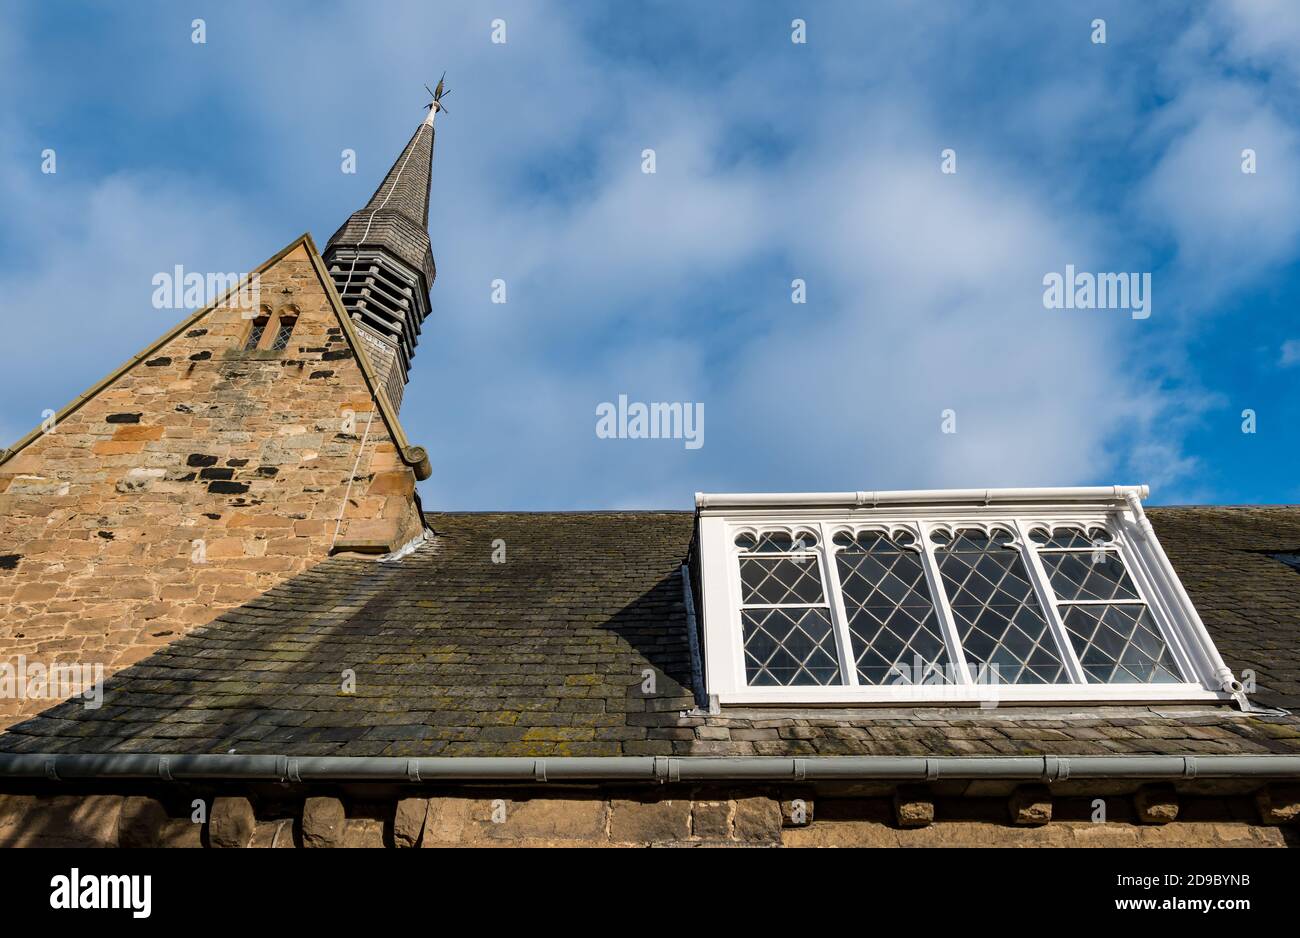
pixel 436 105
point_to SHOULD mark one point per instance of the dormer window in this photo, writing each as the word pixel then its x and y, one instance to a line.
pixel 1046 595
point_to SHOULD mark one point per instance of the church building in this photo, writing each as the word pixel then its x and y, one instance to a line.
pixel 226 620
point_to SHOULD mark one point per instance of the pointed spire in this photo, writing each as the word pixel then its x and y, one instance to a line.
pixel 397 215
pixel 381 259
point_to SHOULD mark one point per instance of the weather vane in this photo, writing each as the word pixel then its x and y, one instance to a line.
pixel 437 94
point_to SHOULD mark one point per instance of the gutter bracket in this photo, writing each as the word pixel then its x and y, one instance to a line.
pixel 667 770
pixel 931 770
pixel 1055 768
pixel 413 770
pixel 291 771
pixel 539 770
pixel 1189 766
pixel 51 772
pixel 800 769
pixel 164 769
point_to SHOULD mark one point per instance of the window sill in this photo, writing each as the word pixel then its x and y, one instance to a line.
pixel 939 695
pixel 254 356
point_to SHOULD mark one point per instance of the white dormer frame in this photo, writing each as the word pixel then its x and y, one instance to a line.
pixel 1118 509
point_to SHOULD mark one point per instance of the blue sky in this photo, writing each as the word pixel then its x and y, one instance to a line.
pixel 775 161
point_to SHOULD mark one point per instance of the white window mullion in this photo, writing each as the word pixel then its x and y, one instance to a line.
pixel 1047 599
pixel 839 618
pixel 940 599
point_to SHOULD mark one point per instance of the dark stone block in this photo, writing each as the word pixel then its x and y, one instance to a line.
pixel 122 418
pixel 227 488
pixel 156 362
pixel 200 459
pixel 212 473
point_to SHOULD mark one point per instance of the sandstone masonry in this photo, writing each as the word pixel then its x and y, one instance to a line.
pixel 601 819
pixel 197 477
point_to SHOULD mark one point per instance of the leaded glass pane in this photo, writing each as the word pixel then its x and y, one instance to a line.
pixel 999 620
pixel 785 647
pixel 893 627
pixel 1120 644
pixel 255 335
pixel 780 580
pixel 282 334
pixel 1097 574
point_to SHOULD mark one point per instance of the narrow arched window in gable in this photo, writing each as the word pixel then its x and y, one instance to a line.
pixel 288 319
pixel 258 328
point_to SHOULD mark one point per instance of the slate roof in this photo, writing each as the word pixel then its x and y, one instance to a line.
pixel 1248 600
pixel 546 655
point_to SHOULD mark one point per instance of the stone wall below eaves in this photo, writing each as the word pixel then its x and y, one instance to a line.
pixel 699 818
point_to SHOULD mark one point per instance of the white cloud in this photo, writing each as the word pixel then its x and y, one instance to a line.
pixel 1265 33
pixel 1228 225
pixel 925 289
pixel 1290 352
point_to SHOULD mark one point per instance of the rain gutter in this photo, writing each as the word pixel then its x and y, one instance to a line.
pixel 633 769
pixel 1089 494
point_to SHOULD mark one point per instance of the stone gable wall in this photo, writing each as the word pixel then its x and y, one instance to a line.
pixel 199 478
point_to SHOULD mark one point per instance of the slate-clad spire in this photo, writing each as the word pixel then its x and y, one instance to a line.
pixel 382 264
